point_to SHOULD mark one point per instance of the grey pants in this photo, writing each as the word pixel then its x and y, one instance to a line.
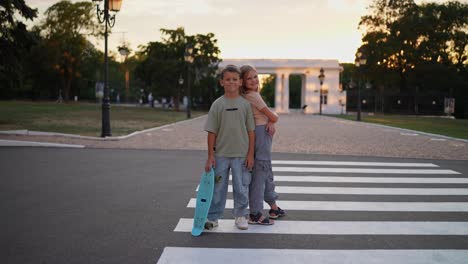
pixel 262 186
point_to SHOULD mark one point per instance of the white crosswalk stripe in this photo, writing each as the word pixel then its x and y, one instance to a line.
pixel 368 191
pixel 339 179
pixel 442 197
pixel 373 171
pixel 352 163
pixel 299 256
pixel 362 206
pixel 338 228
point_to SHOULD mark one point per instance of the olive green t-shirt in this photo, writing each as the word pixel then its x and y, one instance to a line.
pixel 230 119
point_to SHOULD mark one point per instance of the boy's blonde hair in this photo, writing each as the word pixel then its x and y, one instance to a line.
pixel 230 68
pixel 243 71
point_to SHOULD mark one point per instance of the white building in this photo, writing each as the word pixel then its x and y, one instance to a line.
pixel 333 98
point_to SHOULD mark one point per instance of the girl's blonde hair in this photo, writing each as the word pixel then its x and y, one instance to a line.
pixel 244 70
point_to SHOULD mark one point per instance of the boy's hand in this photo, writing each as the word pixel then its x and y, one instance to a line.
pixel 249 161
pixel 210 162
pixel 270 127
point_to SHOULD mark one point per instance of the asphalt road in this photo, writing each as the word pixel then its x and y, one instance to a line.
pixel 122 206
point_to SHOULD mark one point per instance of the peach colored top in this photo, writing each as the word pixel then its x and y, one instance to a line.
pixel 257 103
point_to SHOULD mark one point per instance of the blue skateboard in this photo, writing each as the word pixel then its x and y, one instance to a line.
pixel 204 196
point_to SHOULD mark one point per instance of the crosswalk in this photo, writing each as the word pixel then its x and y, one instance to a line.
pixel 365 199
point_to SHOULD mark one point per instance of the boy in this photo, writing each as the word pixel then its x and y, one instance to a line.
pixel 231 138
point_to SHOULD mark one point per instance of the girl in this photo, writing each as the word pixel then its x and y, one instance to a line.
pixel 262 186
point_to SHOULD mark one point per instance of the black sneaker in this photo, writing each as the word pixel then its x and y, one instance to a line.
pixel 259 219
pixel 274 214
pixel 211 224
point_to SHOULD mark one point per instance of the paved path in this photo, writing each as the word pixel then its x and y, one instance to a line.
pixel 296 133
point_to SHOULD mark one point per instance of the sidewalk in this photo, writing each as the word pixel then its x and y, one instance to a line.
pixel 296 133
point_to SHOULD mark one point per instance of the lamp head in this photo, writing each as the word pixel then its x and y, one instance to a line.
pixel 115 5
pixel 188 55
pixel 321 76
pixel 124 51
pixel 360 58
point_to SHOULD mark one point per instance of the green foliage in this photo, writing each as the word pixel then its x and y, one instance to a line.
pixel 65 28
pixel 295 91
pixel 70 20
pixel 15 41
pixel 42 79
pixel 54 55
pixel 162 65
pixel 268 90
pixel 346 77
pixel 414 48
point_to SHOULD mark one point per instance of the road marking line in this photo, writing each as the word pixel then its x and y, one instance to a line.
pixel 352 163
pixel 337 228
pixel 362 206
pixel 282 178
pixel 193 255
pixel 360 170
pixel 368 191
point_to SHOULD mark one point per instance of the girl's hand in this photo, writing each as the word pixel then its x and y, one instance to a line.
pixel 270 127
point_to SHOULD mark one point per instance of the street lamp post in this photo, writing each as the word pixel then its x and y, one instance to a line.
pixel 109 21
pixel 124 51
pixel 181 82
pixel 188 57
pixel 321 78
pixel 360 60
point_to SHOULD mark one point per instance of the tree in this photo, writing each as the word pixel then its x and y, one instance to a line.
pixel 15 41
pixel 162 64
pixel 206 53
pixel 408 45
pixel 41 80
pixel 158 69
pixel 65 29
pixel 387 43
pixel 268 90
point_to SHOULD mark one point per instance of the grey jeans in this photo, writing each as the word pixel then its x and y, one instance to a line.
pixel 262 186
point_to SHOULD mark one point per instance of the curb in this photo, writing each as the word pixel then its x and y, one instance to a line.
pixel 40 133
pixel 405 130
pixel 21 143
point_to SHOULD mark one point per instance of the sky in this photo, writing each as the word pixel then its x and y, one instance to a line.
pixel 269 29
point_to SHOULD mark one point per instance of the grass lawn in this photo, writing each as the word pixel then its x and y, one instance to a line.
pixel 82 118
pixel 457 128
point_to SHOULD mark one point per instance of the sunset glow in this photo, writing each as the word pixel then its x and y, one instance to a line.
pixel 300 29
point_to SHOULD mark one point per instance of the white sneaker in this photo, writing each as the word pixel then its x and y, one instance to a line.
pixel 242 223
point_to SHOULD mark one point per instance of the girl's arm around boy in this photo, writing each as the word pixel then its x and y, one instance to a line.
pixel 272 119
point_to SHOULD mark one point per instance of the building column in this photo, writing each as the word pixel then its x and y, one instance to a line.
pixel 312 95
pixel 278 94
pixel 303 90
pixel 282 93
pixel 285 77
